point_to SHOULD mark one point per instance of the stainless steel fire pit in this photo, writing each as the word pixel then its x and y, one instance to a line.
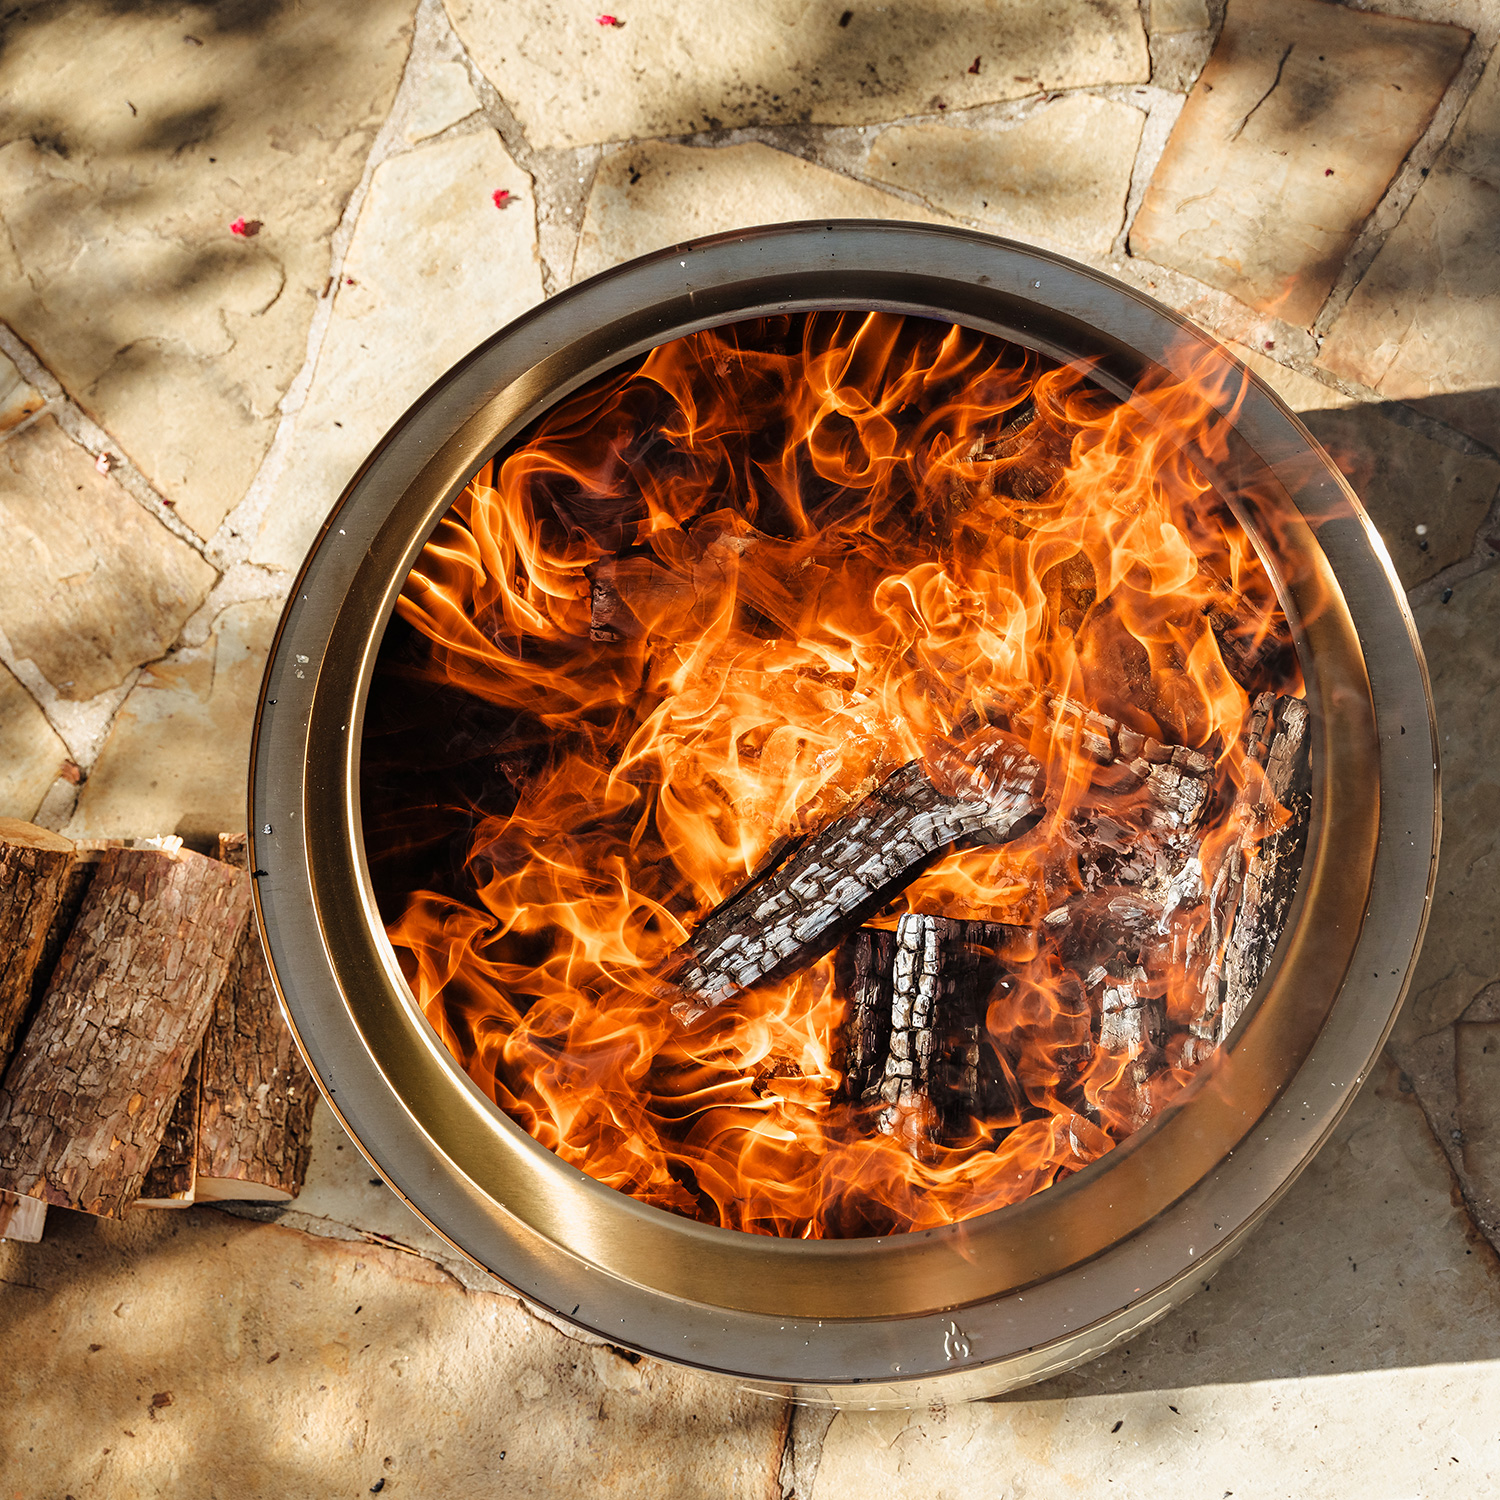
pixel 999 1300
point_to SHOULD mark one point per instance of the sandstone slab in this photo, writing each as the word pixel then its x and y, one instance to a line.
pixel 31 754
pixel 675 67
pixel 1440 1037
pixel 1421 323
pixel 18 400
pixel 1058 177
pixel 646 197
pixel 1477 1089
pixel 129 142
pixel 189 1353
pixel 433 269
pixel 1408 480
pixel 1461 952
pixel 1359 1325
pixel 444 97
pixel 177 760
pixel 95 586
pixel 1289 138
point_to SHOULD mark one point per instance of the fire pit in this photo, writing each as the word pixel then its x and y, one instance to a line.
pixel 929 767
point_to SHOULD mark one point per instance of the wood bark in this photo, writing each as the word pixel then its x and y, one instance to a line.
pixel 88 1094
pixel 255 1126
pixel 21 1219
pixel 35 866
pixel 831 881
pixel 172 1179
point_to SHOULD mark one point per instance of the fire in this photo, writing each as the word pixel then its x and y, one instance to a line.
pixel 711 601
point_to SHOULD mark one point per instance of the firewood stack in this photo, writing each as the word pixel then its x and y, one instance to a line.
pixel 143 1059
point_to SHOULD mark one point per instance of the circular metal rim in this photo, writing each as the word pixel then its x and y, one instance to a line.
pixel 303 763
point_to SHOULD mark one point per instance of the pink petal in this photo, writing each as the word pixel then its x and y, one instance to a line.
pixel 245 228
pixel 608 20
pixel 501 197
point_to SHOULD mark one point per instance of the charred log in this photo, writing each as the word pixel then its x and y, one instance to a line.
pixel 835 879
pixel 1249 892
pixel 915 1043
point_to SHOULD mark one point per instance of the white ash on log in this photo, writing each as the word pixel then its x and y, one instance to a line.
pixel 915 1042
pixel 21 1219
pixel 1266 863
pixel 834 879
pixel 35 866
pixel 87 1096
pixel 1132 1028
pixel 254 1132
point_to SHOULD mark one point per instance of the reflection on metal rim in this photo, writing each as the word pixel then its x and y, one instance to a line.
pixel 1042 1283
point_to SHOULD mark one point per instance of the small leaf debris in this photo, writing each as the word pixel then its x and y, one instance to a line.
pixel 246 229
pixel 1118 1425
pixel 974 66
pixel 379 1485
pixel 846 18
pixel 502 198
pixel 608 20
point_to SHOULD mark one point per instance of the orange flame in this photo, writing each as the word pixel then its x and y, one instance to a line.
pixel 713 599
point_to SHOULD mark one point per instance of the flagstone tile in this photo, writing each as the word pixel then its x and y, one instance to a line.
pixel 31 754
pixel 1461 952
pixel 177 759
pixel 1421 324
pixel 1409 481
pixel 433 269
pixel 1289 138
pixel 134 136
pixel 1058 177
pixel 185 1352
pixel 17 399
pixel 94 585
pixel 674 67
pixel 645 197
pixel 1359 1321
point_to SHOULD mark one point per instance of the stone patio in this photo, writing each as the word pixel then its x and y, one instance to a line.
pixel 1317 184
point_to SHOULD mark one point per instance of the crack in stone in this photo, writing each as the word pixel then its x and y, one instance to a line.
pixel 1239 129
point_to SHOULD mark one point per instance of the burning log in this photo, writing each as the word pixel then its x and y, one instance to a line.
pixel 822 887
pixel 35 866
pixel 254 1126
pixel 914 1040
pixel 87 1096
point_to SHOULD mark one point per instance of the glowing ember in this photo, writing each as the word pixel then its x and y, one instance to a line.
pixel 668 663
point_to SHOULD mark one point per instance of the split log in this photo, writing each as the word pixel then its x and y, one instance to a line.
pixel 833 880
pixel 1268 859
pixel 255 1125
pixel 914 1039
pixel 1250 891
pixel 88 1094
pixel 21 1219
pixel 172 1179
pixel 1132 1028
pixel 35 866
